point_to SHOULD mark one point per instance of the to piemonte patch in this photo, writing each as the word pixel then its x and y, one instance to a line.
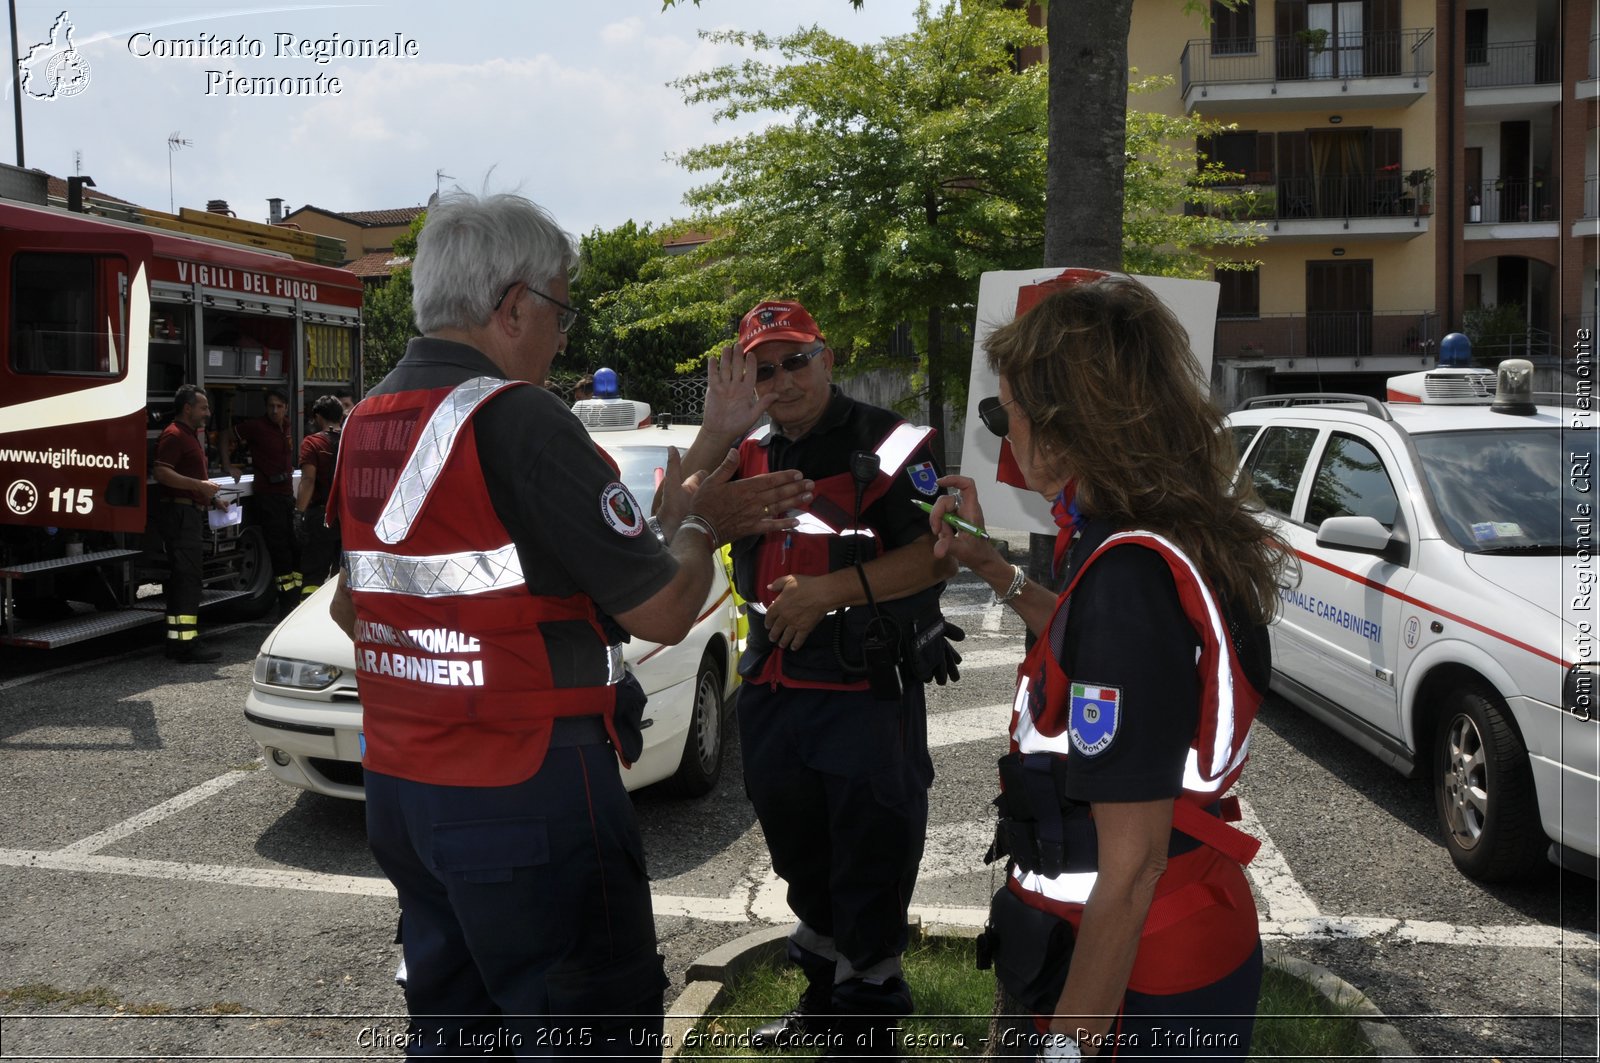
pixel 1093 713
pixel 923 478
pixel 621 511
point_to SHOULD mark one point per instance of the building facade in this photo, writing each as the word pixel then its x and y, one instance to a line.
pixel 1420 167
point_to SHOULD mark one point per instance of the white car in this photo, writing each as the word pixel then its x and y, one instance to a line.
pixel 304 711
pixel 1444 617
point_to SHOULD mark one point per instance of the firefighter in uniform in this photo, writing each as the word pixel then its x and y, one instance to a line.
pixel 493 564
pixel 270 503
pixel 844 631
pixel 1126 925
pixel 319 543
pixel 183 494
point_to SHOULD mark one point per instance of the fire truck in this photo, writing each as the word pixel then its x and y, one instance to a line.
pixel 100 322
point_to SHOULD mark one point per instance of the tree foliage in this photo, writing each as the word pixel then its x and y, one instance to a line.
pixel 387 323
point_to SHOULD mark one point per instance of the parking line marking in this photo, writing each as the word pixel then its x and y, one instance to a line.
pixel 986 723
pixel 151 816
pixel 973 660
pixel 260 877
pixel 1285 899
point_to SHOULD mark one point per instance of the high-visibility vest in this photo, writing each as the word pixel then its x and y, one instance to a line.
pixel 454 654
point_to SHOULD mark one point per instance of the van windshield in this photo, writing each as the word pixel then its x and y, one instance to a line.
pixel 1505 491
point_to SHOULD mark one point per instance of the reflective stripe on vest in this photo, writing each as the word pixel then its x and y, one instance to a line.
pixel 437 576
pixel 1069 887
pixel 434 444
pixel 1221 759
pixel 900 445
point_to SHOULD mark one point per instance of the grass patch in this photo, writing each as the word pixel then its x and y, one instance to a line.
pixel 39 995
pixel 954 999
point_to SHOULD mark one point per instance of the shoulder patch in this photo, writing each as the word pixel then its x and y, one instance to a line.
pixel 1093 713
pixel 620 510
pixel 923 478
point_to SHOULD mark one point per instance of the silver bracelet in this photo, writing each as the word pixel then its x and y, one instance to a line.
pixel 1018 579
pixel 701 525
pixel 654 524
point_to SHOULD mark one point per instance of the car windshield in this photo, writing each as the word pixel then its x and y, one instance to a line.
pixel 1499 492
pixel 642 468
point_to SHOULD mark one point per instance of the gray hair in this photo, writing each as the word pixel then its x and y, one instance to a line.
pixel 472 248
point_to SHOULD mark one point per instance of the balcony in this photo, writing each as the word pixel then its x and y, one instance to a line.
pixel 1589 224
pixel 1376 204
pixel 1513 208
pixel 1589 87
pixel 1330 334
pixel 1518 63
pixel 1306 71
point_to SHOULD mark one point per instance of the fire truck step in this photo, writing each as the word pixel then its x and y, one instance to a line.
pixel 157 603
pixel 54 633
pixel 33 568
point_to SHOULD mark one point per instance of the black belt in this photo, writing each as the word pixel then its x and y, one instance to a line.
pixel 578 731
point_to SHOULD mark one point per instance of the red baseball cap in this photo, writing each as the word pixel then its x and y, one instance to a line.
pixel 776 320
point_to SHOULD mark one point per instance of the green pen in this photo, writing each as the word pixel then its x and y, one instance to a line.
pixel 953 520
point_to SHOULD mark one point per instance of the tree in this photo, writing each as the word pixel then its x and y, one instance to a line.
pixel 387 323
pixel 901 172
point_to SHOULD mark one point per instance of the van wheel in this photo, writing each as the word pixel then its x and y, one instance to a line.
pixel 701 765
pixel 1483 789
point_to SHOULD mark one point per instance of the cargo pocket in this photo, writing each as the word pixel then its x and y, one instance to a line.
pixel 490 850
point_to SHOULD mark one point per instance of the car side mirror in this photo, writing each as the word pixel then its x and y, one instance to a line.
pixel 1355 533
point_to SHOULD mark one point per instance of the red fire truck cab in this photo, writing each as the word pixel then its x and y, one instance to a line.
pixel 100 323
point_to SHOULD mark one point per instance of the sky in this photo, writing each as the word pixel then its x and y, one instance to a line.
pixel 566 101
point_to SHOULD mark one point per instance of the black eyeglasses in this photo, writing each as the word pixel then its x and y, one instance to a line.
pixel 792 364
pixel 564 319
pixel 992 412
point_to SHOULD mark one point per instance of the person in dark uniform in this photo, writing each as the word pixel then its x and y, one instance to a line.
pixel 1134 705
pixel 845 629
pixel 270 503
pixel 182 496
pixel 494 562
pixel 319 544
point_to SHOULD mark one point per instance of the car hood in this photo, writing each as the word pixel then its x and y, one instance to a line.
pixel 309 634
pixel 1536 580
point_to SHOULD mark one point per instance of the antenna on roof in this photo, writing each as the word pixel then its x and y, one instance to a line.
pixel 439 177
pixel 77 162
pixel 175 140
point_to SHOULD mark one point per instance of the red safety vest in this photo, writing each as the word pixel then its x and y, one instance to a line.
pixel 809 550
pixel 451 663
pixel 1202 923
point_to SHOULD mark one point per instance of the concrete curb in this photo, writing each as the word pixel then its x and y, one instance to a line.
pixel 707 980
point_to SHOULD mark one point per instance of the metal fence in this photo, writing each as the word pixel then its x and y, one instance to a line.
pixel 1514 63
pixel 1591 197
pixel 1307 56
pixel 1375 194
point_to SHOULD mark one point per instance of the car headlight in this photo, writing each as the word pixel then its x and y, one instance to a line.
pixel 1578 690
pixel 301 675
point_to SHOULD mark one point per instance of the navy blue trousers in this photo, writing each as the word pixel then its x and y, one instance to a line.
pixel 525 912
pixel 839 781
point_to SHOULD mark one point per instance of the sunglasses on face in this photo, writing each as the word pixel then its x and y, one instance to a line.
pixel 792 364
pixel 564 319
pixel 992 412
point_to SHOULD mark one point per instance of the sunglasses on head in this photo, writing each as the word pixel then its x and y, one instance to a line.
pixel 992 412
pixel 792 364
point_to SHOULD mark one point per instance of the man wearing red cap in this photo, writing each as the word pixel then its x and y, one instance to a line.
pixel 844 631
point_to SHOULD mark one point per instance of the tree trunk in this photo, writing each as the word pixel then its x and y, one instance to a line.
pixel 1088 132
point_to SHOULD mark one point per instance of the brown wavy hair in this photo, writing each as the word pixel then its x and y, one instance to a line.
pixel 1104 373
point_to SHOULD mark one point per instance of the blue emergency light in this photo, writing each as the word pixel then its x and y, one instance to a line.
pixel 1455 352
pixel 605 383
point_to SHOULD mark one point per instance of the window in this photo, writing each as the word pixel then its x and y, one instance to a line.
pixel 1241 293
pixel 58 301
pixel 1276 464
pixel 1351 482
pixel 1233 32
pixel 1477 35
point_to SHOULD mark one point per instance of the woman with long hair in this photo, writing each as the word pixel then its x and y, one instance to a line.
pixel 1126 923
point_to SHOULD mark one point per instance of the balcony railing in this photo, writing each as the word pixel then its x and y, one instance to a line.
pixel 1591 197
pixel 1333 196
pixel 1329 334
pixel 1518 63
pixel 1508 199
pixel 1305 57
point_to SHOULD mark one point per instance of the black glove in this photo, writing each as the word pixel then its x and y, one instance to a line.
pixel 945 668
pixel 301 535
